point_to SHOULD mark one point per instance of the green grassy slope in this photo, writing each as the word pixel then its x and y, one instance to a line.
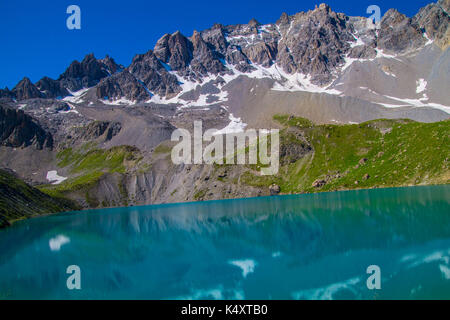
pixel 18 200
pixel 88 164
pixel 379 153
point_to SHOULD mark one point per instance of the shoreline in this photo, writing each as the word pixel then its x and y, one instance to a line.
pixel 12 222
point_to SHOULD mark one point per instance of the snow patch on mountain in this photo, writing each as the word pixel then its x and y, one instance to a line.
pixel 77 96
pixel 119 102
pixel 421 85
pixel 358 42
pixel 54 178
pixel 420 103
pixel 235 126
pixel 72 109
pixel 299 82
pixel 389 73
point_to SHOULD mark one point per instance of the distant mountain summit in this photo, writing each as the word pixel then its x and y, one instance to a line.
pixel 78 75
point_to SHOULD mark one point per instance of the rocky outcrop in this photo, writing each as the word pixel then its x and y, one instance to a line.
pixel 174 49
pixel 314 42
pixel 262 53
pixel 78 75
pixel 215 38
pixel 87 73
pixel 294 146
pixel 6 94
pixel 435 20
pixel 100 131
pixel 274 189
pixel 205 60
pixel 110 65
pixel 319 183
pixel 18 129
pixel 399 33
pixel 151 72
pixel 362 52
pixel 51 88
pixel 238 59
pixel 122 85
pixel 25 89
pixel 194 57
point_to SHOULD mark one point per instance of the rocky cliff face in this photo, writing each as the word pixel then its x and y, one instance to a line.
pixel 121 85
pixel 87 73
pixel 399 33
pixel 98 131
pixel 153 75
pixel 25 89
pixel 434 19
pixel 50 88
pixel 6 94
pixel 18 129
pixel 314 43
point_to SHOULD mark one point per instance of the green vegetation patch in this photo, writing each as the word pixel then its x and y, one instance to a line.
pixel 19 201
pixel 110 160
pixel 162 149
pixel 378 153
pixel 88 164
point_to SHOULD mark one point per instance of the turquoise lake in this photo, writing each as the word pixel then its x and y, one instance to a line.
pixel 315 246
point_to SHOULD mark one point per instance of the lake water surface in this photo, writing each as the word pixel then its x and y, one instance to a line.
pixel 315 246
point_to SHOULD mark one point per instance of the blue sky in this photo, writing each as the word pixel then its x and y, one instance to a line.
pixel 35 41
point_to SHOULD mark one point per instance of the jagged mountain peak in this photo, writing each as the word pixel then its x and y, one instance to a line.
pixel 89 57
pixel 254 23
pixel 89 65
pixel 435 20
pixel 111 66
pixel 174 49
pixel 323 7
pixel 51 88
pixel 399 33
pixel 24 81
pixel 284 19
pixel 217 26
pixel 197 39
pixel 314 43
pixel 77 76
pixel 393 16
pixel 88 72
pixel 25 89
pixel 6 94
pixel 153 74
pixel 161 48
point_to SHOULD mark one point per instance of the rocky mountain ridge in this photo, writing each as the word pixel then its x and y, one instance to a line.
pixel 77 76
pixel 316 45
